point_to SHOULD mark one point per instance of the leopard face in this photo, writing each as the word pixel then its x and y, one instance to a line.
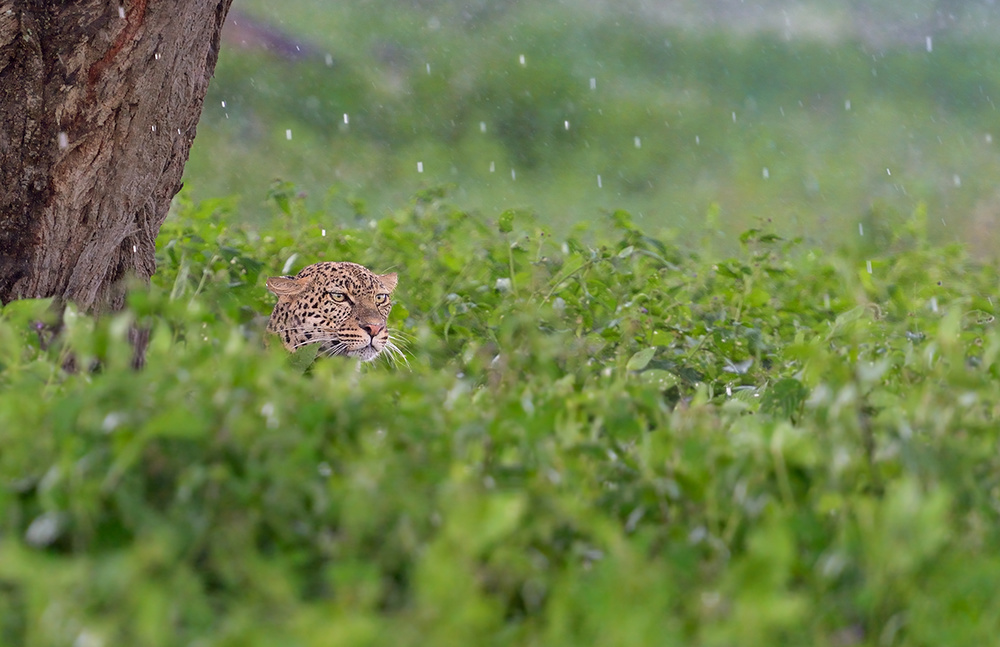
pixel 341 306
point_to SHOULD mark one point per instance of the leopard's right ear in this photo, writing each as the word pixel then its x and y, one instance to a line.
pixel 287 286
pixel 388 281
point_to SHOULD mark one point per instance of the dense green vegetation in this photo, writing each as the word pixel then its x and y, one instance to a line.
pixel 621 421
pixel 621 442
pixel 807 132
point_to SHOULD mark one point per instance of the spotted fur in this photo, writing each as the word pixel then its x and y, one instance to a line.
pixel 341 306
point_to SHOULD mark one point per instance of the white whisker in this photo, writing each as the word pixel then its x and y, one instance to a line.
pixel 394 356
pixel 401 334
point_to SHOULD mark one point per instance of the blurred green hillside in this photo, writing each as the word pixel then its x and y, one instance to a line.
pixel 574 108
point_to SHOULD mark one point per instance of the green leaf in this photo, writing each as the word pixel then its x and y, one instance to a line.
pixel 303 358
pixel 784 399
pixel 505 223
pixel 638 361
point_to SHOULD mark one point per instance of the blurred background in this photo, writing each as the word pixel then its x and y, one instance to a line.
pixel 814 117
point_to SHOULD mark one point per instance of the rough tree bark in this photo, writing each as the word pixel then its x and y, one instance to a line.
pixel 99 100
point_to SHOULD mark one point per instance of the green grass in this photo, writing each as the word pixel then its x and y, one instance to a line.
pixel 838 126
pixel 617 442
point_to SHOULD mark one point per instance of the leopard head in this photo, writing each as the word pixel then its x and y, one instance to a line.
pixel 341 306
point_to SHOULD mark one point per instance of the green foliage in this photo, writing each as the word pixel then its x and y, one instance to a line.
pixel 614 442
pixel 807 132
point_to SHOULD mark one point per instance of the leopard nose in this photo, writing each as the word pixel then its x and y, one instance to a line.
pixel 372 329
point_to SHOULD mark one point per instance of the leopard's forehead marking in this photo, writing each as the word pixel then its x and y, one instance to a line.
pixel 344 275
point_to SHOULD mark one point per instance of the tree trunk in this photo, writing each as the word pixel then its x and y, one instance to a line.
pixel 98 106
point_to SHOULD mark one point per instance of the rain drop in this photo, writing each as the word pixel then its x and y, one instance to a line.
pixel 513 174
pixel 734 117
pixel 288 134
pixel 322 232
pixel 868 264
pixel 930 44
pixel 521 59
pixel 989 138
pixel 861 229
pixel 223 104
pixel 957 180
pixel 847 105
pixel 428 68
pixel 156 56
pixel 63 140
pixel 599 185
pixel 329 60
pixel 347 119
pixel 153 128
pixel 887 171
pixel 121 11
pixel 766 173
pixel 566 125
pixel 638 142
pixel 934 304
pixel 697 140
pixel 593 83
pixel 482 126
pixel 492 167
pixel 420 167
pixel 134 249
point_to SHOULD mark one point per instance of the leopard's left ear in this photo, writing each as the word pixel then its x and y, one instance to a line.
pixel 388 281
pixel 287 286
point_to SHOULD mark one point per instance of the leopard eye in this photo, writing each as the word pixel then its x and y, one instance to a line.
pixel 381 298
pixel 339 297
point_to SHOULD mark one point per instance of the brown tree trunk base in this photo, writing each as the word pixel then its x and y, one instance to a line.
pixel 99 102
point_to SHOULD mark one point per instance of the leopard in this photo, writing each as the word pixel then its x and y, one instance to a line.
pixel 342 306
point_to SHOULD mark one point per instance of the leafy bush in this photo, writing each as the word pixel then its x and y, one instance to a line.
pixel 613 441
